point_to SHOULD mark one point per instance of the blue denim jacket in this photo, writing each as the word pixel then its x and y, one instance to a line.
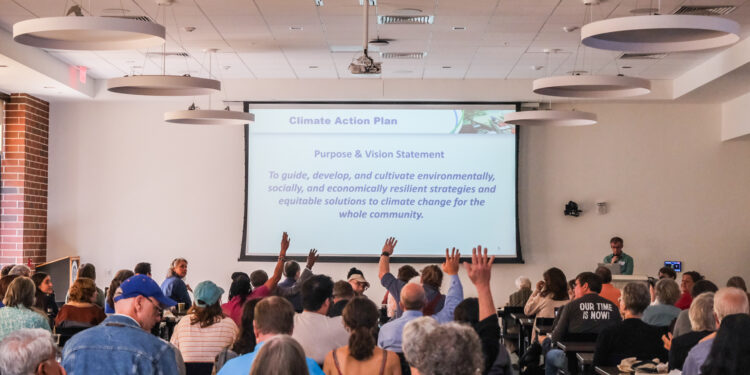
pixel 118 346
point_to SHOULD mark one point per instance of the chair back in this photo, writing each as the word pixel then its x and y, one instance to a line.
pixel 199 368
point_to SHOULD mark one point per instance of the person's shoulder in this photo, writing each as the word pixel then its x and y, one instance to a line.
pixel 313 367
pixel 238 365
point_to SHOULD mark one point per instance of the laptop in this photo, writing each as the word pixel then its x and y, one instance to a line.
pixel 614 268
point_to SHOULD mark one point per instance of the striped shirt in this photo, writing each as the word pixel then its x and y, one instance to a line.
pixel 198 344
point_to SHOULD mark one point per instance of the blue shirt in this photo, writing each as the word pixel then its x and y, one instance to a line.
pixel 243 363
pixel 696 357
pixel 660 315
pixel 389 337
pixel 174 288
pixel 118 346
pixel 394 285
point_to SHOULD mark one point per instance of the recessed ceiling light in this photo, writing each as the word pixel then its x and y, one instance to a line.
pixel 49 87
pixel 403 71
pixel 537 67
pixel 3 66
pixel 296 28
pixel 458 28
pixel 227 67
pixel 189 29
pixel 570 29
pixel 313 67
pixel 626 67
pixel 447 67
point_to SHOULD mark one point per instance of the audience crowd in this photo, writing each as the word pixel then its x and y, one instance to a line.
pixel 311 323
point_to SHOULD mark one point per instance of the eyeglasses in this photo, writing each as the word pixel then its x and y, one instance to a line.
pixel 156 305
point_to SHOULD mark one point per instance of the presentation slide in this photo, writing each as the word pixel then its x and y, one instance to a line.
pixel 342 180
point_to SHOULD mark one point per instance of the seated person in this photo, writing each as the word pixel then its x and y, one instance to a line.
pixel 663 312
pixel 109 302
pixel 45 295
pixel 342 294
pixel 19 309
pixel 281 354
pixel 667 272
pixel 520 296
pixel 405 274
pixel 632 337
pixel 730 353
pixel 357 280
pixel 80 311
pixel 682 324
pixel 29 351
pixel 317 333
pixel 426 351
pixel 88 270
pixel 688 280
pixel 174 286
pixel 608 290
pixel 245 341
pixel 702 323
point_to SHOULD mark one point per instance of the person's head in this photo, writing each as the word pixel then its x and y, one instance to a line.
pixel 688 279
pixel 83 290
pixel 120 276
pixel 703 286
pixel 258 278
pixel 730 351
pixel 667 291
pixel 412 297
pixel 20 292
pixel 240 287
pixel 143 268
pixel 729 301
pixel 635 299
pixel 20 270
pixel 87 270
pixel 342 290
pixel 29 351
pixel 604 273
pixel 432 275
pixel 701 313
pixel 291 269
pixel 425 348
pixel 178 268
pixel 406 273
pixel 737 282
pixel 667 272
pixel 523 282
pixel 572 289
pixel 273 316
pixel 316 294
pixel 245 342
pixel 361 318
pixel 43 282
pixel 616 243
pixel 141 298
pixel 280 355
pixel 5 283
pixel 207 307
pixel 467 312
pixel 6 270
pixel 357 280
pixel 586 283
pixel 555 284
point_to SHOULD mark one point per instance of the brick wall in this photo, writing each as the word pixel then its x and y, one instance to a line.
pixel 23 221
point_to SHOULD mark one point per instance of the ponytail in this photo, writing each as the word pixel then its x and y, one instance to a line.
pixel 361 343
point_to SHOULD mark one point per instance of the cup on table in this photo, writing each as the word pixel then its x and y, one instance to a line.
pixel 181 308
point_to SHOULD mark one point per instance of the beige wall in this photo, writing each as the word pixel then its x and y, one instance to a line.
pixel 125 187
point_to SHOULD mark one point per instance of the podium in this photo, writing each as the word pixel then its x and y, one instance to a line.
pixel 63 273
pixel 619 281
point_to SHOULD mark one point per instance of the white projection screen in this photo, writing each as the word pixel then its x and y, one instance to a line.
pixel 343 177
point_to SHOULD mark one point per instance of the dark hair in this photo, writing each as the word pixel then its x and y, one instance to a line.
pixel 120 276
pixel 245 342
pixel 703 286
pixel 694 275
pixel 206 316
pixel 5 283
pixel 82 290
pixel 142 268
pixel 342 289
pixel 291 268
pixel 406 273
pixel 361 316
pixel 87 270
pixel 240 287
pixel 237 274
pixel 604 273
pixel 274 315
pixel 258 278
pixel 6 270
pixel 555 284
pixel 616 239
pixel 38 278
pixel 353 271
pixel 571 284
pixel 467 312
pixel 315 291
pixel 432 276
pixel 669 272
pixel 730 351
pixel 592 279
pixel 736 282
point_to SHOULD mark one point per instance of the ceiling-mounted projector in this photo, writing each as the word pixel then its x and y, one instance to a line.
pixel 364 65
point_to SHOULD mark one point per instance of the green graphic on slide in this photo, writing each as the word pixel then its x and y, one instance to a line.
pixel 482 122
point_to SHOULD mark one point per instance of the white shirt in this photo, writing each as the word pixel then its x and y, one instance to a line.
pixel 319 334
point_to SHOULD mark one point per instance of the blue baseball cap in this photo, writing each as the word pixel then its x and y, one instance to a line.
pixel 142 285
pixel 207 293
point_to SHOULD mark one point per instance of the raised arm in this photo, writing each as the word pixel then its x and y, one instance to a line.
pixel 455 291
pixel 384 266
pixel 312 257
pixel 479 271
pixel 274 279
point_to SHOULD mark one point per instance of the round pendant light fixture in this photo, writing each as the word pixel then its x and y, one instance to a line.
pixel 660 33
pixel 163 85
pixel 88 33
pixel 550 118
pixel 591 86
pixel 209 117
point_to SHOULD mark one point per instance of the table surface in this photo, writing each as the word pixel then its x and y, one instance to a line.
pixel 543 329
pixel 586 358
pixel 607 370
pixel 574 346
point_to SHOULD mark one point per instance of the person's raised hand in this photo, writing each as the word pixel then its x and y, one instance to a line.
pixel 667 340
pixel 539 285
pixel 450 266
pixel 390 244
pixel 284 245
pixel 480 269
pixel 312 257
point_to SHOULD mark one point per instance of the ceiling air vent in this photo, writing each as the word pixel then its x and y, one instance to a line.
pixel 168 54
pixel 403 55
pixel 642 56
pixel 406 20
pixel 137 18
pixel 706 10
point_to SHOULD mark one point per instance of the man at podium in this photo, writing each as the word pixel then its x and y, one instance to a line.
pixel 617 257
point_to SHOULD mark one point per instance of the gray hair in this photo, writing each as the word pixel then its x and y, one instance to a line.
pixel 424 345
pixel 729 301
pixel 636 297
pixel 20 270
pixel 702 313
pixel 23 350
pixel 523 282
pixel 667 291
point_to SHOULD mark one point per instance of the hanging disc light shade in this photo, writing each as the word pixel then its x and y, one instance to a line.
pixel 208 117
pixel 163 85
pixel 88 33
pixel 591 86
pixel 660 33
pixel 550 118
